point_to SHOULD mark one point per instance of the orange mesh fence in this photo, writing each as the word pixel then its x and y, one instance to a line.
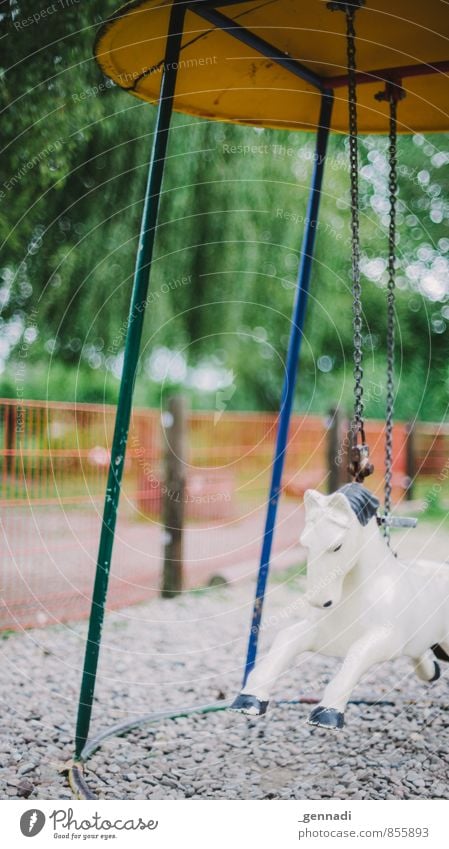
pixel 54 459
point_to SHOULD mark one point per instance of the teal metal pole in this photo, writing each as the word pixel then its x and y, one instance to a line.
pixel 132 347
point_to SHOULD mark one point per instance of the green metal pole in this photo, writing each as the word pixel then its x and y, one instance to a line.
pixel 132 347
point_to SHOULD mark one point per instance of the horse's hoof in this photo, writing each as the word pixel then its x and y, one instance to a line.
pixel 437 672
pixel 326 717
pixel 439 652
pixel 249 705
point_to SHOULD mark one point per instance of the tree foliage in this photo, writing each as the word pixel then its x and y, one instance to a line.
pixel 228 243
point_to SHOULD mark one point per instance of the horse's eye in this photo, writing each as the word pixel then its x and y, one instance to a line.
pixel 337 548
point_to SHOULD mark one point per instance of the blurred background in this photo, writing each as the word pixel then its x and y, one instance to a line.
pixel 75 154
pixel 75 151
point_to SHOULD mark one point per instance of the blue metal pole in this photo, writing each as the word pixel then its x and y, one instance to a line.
pixel 294 348
pixel 132 347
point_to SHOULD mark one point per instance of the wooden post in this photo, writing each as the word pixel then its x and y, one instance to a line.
pixel 410 460
pixel 337 452
pixel 10 429
pixel 175 420
pixel 333 445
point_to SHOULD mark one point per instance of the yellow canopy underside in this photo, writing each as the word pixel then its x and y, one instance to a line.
pixel 221 78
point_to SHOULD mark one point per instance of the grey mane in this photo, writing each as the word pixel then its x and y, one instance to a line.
pixel 362 501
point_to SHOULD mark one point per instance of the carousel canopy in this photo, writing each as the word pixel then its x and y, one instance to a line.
pixel 266 63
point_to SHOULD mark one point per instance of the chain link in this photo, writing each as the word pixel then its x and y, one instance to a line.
pixel 357 320
pixel 359 465
pixel 393 189
pixel 392 94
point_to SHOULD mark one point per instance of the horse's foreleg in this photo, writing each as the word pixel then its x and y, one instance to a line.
pixel 253 699
pixel 374 647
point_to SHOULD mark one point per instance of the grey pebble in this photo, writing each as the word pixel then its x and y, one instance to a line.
pixel 383 753
pixel 27 767
pixel 25 788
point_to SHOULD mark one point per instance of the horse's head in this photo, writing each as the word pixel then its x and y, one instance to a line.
pixel 332 536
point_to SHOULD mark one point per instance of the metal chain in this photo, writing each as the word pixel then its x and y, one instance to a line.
pixel 393 189
pixel 392 93
pixel 358 423
pixel 359 465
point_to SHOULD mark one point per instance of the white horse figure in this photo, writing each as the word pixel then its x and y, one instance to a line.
pixel 362 604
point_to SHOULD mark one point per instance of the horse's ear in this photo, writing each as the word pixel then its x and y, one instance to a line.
pixel 340 509
pixel 313 502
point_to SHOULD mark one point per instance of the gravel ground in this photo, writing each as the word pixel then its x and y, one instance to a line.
pixel 189 651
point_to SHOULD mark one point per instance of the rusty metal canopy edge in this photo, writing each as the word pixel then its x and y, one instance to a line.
pixel 228 74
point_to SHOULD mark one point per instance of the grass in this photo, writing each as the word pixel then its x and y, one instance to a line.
pixel 5 635
pixel 290 576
